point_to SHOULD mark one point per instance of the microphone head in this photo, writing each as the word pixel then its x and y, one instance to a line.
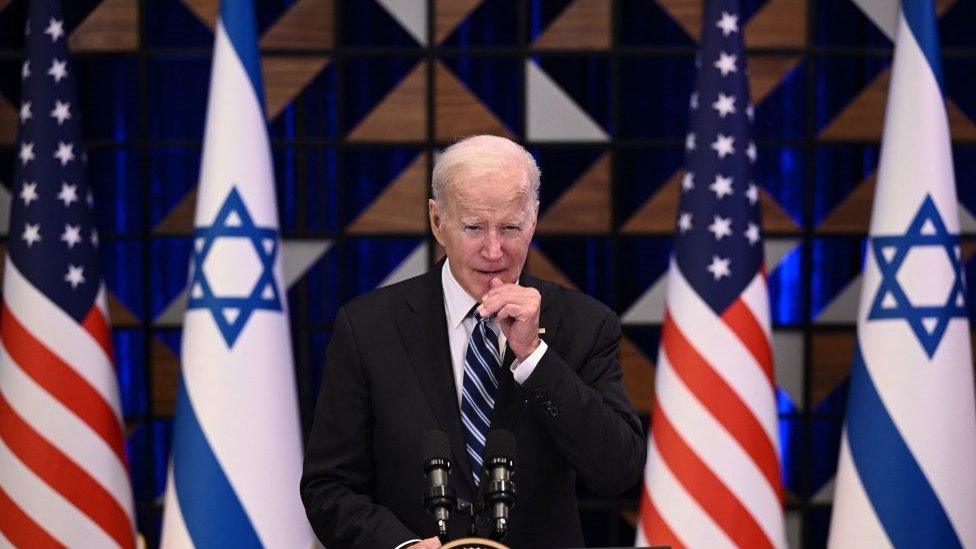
pixel 500 444
pixel 435 445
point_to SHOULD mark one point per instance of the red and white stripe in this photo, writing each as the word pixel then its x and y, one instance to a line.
pixel 713 474
pixel 63 471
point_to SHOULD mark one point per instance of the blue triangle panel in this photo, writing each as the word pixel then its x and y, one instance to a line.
pixel 173 173
pixel 959 84
pixel 842 23
pixel 366 261
pixel 367 24
pixel 267 13
pixel 654 94
pixel 366 172
pixel 121 265
pixel 838 169
pixel 319 100
pixel 645 23
pixel 835 261
pixel 129 349
pixel 792 441
pixel 316 298
pixel 108 95
pixel 588 80
pixel 786 290
pixel 170 24
pixel 561 167
pixel 178 88
pixel 956 26
pixel 494 80
pixel 116 183
pixel 542 13
pixel 839 80
pixel 638 174
pixel 826 427
pixel 169 262
pixel 587 261
pixel 782 170
pixel 493 23
pixel 641 261
pixel 366 81
pixel 782 115
pixel 321 200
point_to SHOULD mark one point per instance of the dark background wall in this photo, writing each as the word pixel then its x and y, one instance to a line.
pixel 360 95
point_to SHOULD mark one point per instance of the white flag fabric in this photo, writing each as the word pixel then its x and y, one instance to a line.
pixel 907 470
pixel 236 459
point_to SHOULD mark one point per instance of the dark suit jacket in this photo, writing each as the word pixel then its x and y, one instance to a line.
pixel 388 380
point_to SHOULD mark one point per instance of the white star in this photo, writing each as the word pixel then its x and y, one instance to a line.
pixel 32 234
pixel 25 70
pixel 719 267
pixel 28 193
pixel 721 227
pixel 68 194
pixel 59 70
pixel 726 63
pixel 94 238
pixel 752 233
pixel 751 152
pixel 65 153
pixel 750 112
pixel 723 145
pixel 55 28
pixel 25 111
pixel 725 104
pixel 75 276
pixel 684 222
pixel 62 111
pixel 693 101
pixel 752 193
pixel 26 152
pixel 690 141
pixel 722 186
pixel 729 23
pixel 71 235
pixel 688 181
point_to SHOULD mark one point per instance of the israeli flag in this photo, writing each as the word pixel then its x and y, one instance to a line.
pixel 907 472
pixel 236 461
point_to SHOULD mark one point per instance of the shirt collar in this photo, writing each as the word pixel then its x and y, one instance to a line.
pixel 458 302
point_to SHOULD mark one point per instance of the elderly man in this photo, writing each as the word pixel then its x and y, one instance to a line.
pixel 474 344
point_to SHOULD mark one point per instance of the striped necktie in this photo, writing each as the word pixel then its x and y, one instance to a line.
pixel 482 367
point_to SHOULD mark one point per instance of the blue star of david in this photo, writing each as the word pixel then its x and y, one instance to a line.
pixel 231 313
pixel 929 323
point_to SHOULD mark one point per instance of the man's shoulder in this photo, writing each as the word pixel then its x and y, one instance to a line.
pixel 572 301
pixel 382 300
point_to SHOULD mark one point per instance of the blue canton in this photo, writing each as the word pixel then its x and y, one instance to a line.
pixel 718 244
pixel 232 313
pixel 891 302
pixel 53 242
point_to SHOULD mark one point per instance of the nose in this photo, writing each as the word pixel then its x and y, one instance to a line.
pixel 491 248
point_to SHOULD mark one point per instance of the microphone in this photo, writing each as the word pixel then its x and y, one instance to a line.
pixel 500 495
pixel 439 498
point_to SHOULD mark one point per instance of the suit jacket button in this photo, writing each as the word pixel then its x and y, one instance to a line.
pixel 553 411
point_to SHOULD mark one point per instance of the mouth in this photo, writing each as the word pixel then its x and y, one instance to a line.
pixel 485 272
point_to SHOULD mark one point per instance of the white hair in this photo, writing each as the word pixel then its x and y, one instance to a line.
pixel 482 155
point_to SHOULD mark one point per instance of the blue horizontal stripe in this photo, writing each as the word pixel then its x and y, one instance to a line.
pixel 902 497
pixel 211 510
pixel 920 16
pixel 239 22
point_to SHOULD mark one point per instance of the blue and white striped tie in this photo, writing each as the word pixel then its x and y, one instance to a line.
pixel 482 367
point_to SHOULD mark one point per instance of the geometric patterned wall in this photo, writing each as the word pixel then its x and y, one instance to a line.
pixel 360 94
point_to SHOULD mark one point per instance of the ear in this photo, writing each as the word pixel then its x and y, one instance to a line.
pixel 436 220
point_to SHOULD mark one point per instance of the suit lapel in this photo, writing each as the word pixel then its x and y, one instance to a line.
pixel 423 325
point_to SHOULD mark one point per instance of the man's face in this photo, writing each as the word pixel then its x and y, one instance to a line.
pixel 485 226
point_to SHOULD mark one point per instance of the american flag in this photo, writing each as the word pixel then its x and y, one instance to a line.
pixel 63 468
pixel 713 476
